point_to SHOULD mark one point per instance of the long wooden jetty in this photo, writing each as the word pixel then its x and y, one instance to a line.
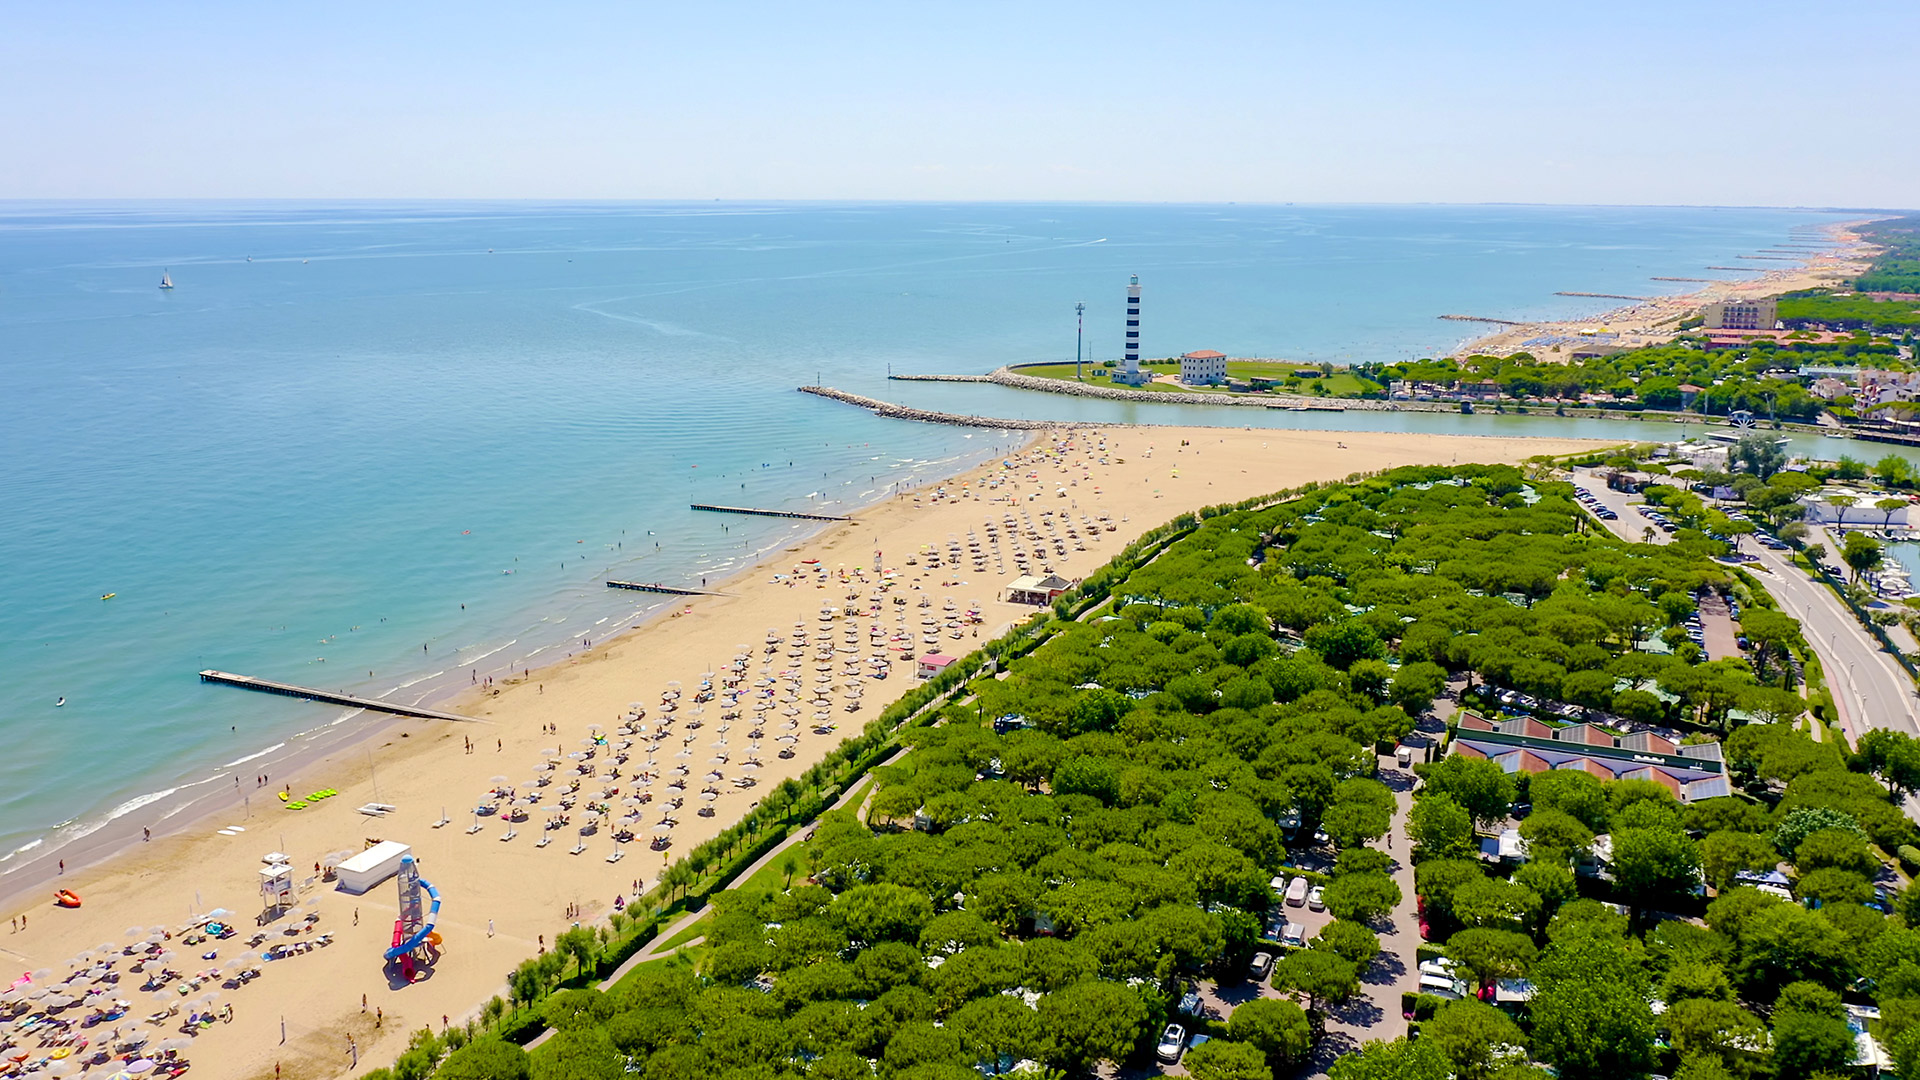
pixel 769 513
pixel 1481 318
pixel 269 686
pixel 1606 296
pixel 1742 269
pixel 656 587
pixel 1700 279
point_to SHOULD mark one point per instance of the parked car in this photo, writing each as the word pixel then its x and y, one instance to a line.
pixel 1297 891
pixel 1190 1003
pixel 1261 967
pixel 1172 1042
pixel 1317 898
pixel 1293 935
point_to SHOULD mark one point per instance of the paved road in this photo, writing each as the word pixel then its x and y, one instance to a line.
pixel 1869 689
pixel 1631 526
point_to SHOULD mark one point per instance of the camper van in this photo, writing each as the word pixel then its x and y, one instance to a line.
pixel 1297 891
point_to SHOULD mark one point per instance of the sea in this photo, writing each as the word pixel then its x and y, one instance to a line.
pixel 397 448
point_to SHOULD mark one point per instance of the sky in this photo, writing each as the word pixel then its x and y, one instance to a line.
pixel 1697 102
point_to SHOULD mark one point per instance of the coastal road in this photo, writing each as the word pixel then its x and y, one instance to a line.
pixel 1869 689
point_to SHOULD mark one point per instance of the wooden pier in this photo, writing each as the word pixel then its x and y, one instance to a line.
pixel 656 587
pixel 1742 269
pixel 329 697
pixel 1606 296
pixel 769 513
pixel 1656 277
pixel 1479 318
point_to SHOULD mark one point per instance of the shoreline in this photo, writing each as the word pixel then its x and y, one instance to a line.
pixel 180 809
pixel 420 763
pixel 1640 322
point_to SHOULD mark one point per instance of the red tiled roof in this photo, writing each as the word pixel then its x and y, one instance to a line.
pixel 1588 765
pixel 1475 722
pixel 1203 354
pixel 1468 751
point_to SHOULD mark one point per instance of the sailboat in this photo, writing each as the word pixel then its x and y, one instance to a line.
pixel 166 280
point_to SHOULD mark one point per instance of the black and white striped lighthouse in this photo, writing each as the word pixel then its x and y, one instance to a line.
pixel 1130 360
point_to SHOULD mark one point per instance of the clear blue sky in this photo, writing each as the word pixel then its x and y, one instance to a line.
pixel 1628 101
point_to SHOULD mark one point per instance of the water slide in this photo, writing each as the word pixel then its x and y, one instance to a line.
pixel 403 947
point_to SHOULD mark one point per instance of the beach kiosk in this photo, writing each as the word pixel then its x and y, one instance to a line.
pixel 934 663
pixel 1038 591
pixel 372 866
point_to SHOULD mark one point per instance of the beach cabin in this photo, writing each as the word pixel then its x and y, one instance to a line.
pixel 1038 591
pixel 933 664
pixel 372 866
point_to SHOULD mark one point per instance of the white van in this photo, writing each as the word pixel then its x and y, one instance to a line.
pixel 1297 891
pixel 1404 756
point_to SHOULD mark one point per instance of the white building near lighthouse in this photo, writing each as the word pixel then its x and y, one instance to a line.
pixel 1129 373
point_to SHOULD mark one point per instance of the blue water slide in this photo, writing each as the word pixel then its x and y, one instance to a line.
pixel 420 935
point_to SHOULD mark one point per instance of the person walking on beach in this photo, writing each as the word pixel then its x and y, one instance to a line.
pixel 146 834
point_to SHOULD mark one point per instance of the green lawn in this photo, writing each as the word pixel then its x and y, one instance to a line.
pixel 1339 384
pixel 696 928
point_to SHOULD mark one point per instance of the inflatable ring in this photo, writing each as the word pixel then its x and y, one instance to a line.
pixel 67 898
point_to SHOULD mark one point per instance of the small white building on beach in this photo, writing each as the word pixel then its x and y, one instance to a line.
pixel 372 866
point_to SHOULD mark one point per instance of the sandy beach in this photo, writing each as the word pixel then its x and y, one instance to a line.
pixel 505 898
pixel 1655 321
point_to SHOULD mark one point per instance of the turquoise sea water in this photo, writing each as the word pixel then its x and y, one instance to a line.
pixel 354 431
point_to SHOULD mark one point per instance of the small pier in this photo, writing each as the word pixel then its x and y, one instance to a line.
pixel 1770 258
pixel 1484 319
pixel 1606 296
pixel 1742 269
pixel 329 697
pixel 1703 280
pixel 656 587
pixel 769 513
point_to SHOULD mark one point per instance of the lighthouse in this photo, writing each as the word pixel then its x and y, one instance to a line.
pixel 1130 373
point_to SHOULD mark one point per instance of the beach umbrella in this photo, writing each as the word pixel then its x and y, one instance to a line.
pixel 140 1067
pixel 136 931
pixel 498 780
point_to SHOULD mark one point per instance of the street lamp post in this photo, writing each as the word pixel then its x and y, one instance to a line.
pixel 1079 332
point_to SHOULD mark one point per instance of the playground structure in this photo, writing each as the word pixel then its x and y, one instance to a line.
pixel 415 941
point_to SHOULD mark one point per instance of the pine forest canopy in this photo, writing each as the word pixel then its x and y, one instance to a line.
pixel 1047 893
